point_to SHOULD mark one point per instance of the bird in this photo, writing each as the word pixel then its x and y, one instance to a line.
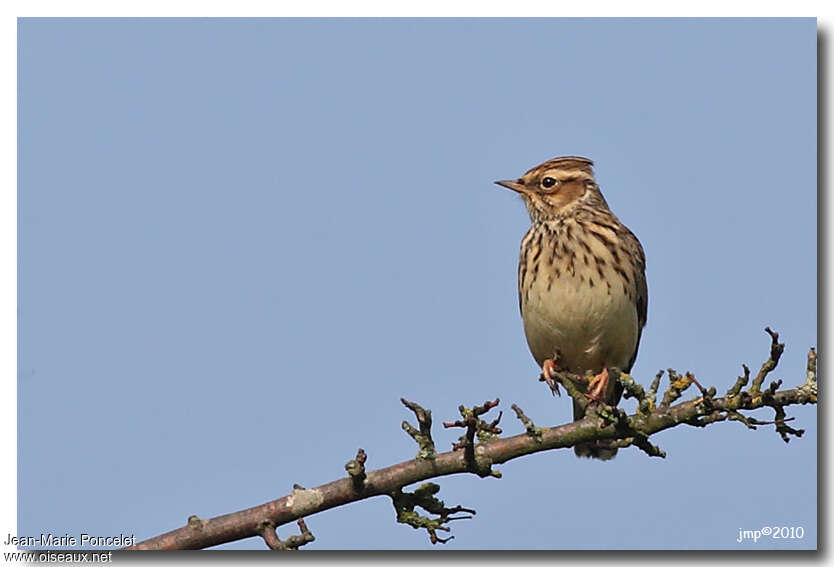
pixel 582 287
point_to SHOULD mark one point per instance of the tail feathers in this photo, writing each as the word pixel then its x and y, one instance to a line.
pixel 595 450
pixel 601 450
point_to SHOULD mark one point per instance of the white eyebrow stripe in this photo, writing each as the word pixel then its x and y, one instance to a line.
pixel 562 175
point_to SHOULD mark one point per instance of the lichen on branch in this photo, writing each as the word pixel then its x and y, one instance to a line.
pixel 425 497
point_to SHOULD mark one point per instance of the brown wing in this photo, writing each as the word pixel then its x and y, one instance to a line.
pixel 642 301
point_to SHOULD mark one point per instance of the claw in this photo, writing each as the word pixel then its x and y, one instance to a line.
pixel 597 386
pixel 548 375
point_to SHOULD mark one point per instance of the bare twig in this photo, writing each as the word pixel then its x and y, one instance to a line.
pixel 532 430
pixel 356 469
pixel 631 388
pixel 810 384
pixel 473 424
pixel 677 386
pixel 423 435
pixel 424 497
pixel 651 395
pixel 785 431
pixel 741 382
pixel 776 350
pixel 641 442
pixel 268 531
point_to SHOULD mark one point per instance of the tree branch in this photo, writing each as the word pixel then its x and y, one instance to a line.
pixel 600 424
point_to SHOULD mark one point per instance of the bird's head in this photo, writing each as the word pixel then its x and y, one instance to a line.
pixel 554 188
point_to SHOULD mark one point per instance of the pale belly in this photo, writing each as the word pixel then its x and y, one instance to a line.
pixel 589 327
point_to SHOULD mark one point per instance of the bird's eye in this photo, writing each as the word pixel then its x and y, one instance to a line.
pixel 548 182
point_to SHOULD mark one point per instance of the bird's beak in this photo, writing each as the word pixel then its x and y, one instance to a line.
pixel 514 185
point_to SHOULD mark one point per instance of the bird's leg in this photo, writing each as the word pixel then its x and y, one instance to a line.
pixel 548 375
pixel 598 385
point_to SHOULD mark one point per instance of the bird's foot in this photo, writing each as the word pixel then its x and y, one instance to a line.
pixel 597 387
pixel 548 375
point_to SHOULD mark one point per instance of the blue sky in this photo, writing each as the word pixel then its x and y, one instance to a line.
pixel 242 241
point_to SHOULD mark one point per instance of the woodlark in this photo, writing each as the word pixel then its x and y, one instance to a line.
pixel 581 281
